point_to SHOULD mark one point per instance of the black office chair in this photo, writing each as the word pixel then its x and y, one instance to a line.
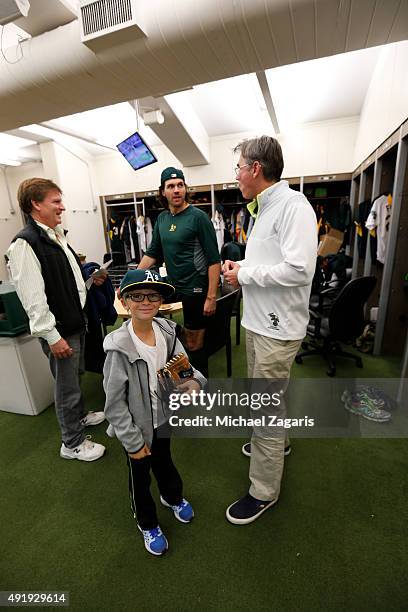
pixel 328 283
pixel 343 323
pixel 218 330
pixel 236 309
pixel 235 252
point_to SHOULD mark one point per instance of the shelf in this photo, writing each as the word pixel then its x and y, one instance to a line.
pixel 338 197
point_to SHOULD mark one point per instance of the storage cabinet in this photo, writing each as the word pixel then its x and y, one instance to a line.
pixel 26 383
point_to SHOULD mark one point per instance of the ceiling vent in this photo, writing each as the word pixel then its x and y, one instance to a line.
pixel 106 23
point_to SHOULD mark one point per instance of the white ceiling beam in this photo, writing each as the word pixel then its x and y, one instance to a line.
pixel 57 75
pixel 181 131
pixel 263 84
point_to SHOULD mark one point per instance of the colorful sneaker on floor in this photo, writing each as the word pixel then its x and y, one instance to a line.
pixel 93 418
pixel 247 510
pixel 360 403
pixel 86 451
pixel 154 540
pixel 246 449
pixel 183 511
pixel 380 398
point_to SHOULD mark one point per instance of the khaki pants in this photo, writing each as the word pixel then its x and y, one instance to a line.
pixel 268 358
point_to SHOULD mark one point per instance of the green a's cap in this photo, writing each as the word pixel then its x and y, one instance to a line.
pixel 169 173
pixel 145 279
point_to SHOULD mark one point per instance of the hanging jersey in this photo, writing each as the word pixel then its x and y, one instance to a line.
pixel 379 218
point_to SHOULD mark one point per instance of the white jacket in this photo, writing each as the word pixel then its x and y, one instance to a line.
pixel 280 259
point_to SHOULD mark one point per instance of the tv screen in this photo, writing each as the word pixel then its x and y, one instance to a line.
pixel 136 152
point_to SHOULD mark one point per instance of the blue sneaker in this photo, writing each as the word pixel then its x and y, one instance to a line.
pixel 154 540
pixel 183 511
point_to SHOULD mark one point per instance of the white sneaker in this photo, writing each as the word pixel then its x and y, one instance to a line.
pixel 86 451
pixel 93 418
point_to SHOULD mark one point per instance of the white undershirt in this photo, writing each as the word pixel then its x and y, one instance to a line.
pixel 155 357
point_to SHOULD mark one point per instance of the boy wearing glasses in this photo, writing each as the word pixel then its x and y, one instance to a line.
pixel 134 407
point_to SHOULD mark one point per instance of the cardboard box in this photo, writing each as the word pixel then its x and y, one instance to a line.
pixel 330 243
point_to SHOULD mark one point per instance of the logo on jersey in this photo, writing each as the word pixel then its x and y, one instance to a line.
pixel 274 321
pixel 172 228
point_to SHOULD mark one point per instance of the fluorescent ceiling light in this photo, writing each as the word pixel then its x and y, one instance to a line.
pixel 107 125
pixel 231 106
pixel 11 145
pixel 322 89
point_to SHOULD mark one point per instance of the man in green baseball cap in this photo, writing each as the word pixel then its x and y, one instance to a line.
pixel 184 238
pixel 171 173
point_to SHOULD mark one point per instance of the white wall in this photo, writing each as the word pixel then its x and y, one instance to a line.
pixel 314 148
pixel 10 223
pixel 386 103
pixel 70 168
pixel 83 217
pixel 325 147
pixel 310 149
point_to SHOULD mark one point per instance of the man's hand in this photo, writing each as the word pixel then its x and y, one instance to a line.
pixel 188 386
pixel 99 277
pixel 231 273
pixel 61 349
pixel 227 265
pixel 209 307
pixel 144 452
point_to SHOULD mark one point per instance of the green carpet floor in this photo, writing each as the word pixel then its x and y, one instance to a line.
pixel 336 541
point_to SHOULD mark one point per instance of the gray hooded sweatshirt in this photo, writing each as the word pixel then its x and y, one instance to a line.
pixel 128 407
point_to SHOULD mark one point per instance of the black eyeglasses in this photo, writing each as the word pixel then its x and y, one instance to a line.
pixel 139 297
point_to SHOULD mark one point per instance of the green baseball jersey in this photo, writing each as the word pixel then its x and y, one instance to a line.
pixel 188 245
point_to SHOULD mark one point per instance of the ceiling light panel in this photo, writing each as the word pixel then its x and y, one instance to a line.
pixel 322 89
pixel 230 106
pixel 11 147
pixel 107 125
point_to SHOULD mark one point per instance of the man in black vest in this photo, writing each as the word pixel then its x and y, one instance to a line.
pixel 48 280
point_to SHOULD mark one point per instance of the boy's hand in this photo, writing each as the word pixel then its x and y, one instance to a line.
pixel 144 452
pixel 188 386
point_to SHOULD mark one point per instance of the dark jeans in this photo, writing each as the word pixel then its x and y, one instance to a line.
pixel 168 480
pixel 69 404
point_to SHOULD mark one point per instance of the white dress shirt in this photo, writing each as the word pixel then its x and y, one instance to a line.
pixel 25 272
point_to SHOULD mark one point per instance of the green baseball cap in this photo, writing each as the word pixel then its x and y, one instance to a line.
pixel 169 173
pixel 145 279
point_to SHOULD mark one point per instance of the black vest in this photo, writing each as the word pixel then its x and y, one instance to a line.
pixel 59 280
